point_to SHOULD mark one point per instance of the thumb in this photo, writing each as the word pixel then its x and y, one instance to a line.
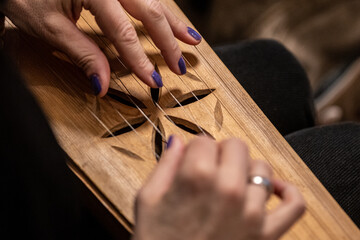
pixel 164 174
pixel 84 52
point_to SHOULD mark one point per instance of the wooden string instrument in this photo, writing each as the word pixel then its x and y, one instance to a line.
pixel 114 142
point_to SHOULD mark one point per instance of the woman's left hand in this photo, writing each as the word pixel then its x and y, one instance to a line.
pixel 202 191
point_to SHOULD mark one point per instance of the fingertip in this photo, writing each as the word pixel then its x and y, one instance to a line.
pixel 181 31
pixel 182 66
pixel 169 141
pixel 279 185
pixel 98 71
pixel 95 84
pixel 99 84
pixel 148 75
pixel 289 193
pixel 194 34
pixel 174 142
pixel 174 148
pixel 201 136
pixel 157 79
pixel 188 35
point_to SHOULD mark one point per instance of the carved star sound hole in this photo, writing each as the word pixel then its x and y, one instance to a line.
pixel 152 113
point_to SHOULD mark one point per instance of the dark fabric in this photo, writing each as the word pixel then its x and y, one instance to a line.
pixel 275 81
pixel 333 154
pixel 40 196
pixel 279 85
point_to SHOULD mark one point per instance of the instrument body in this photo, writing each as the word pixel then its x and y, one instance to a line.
pixel 113 143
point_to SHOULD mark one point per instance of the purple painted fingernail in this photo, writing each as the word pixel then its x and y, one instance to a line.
pixel 194 34
pixel 182 66
pixel 157 78
pixel 95 83
pixel 168 145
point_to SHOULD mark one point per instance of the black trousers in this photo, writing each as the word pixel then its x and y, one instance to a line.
pixel 278 84
pixel 41 198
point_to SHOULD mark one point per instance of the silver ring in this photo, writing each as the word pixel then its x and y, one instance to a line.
pixel 261 181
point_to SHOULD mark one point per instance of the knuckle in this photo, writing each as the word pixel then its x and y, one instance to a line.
pixel 50 25
pixel 143 62
pixel 173 49
pixel 138 199
pixel 177 22
pixel 232 193
pixel 300 206
pixel 239 142
pixel 141 197
pixel 199 175
pixel 202 174
pixel 265 166
pixel 268 236
pixel 125 33
pixel 85 61
pixel 145 198
pixel 254 215
pixel 203 140
pixel 154 9
pixel 202 171
pixel 255 235
pixel 241 145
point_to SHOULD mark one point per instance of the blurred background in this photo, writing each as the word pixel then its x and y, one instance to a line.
pixel 324 35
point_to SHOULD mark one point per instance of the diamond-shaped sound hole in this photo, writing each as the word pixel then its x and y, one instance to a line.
pixel 138 121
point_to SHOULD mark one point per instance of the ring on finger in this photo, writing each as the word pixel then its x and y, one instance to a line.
pixel 262 181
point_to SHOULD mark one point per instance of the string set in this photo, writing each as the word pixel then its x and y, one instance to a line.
pixel 184 84
pixel 147 92
pixel 140 84
pixel 119 140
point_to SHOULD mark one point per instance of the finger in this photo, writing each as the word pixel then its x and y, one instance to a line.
pixel 163 175
pixel 257 195
pixel 151 14
pixel 115 24
pixel 287 213
pixel 65 36
pixel 180 29
pixel 233 170
pixel 200 162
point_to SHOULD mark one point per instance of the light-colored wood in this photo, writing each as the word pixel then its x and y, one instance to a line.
pixel 114 168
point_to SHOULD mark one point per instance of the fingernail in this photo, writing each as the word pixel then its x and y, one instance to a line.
pixel 95 82
pixel 168 145
pixel 182 66
pixel 157 78
pixel 194 34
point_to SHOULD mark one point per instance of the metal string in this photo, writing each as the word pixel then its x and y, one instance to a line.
pixel 109 131
pixel 88 109
pixel 197 99
pixel 168 89
pixel 132 128
pixel 157 105
pixel 177 101
pixel 211 91
pixel 222 85
pixel 118 78
pixel 230 96
pixel 132 101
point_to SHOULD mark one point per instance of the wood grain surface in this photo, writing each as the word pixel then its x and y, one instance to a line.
pixel 114 159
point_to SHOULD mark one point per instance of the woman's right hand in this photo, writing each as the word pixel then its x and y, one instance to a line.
pixel 201 191
pixel 55 22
